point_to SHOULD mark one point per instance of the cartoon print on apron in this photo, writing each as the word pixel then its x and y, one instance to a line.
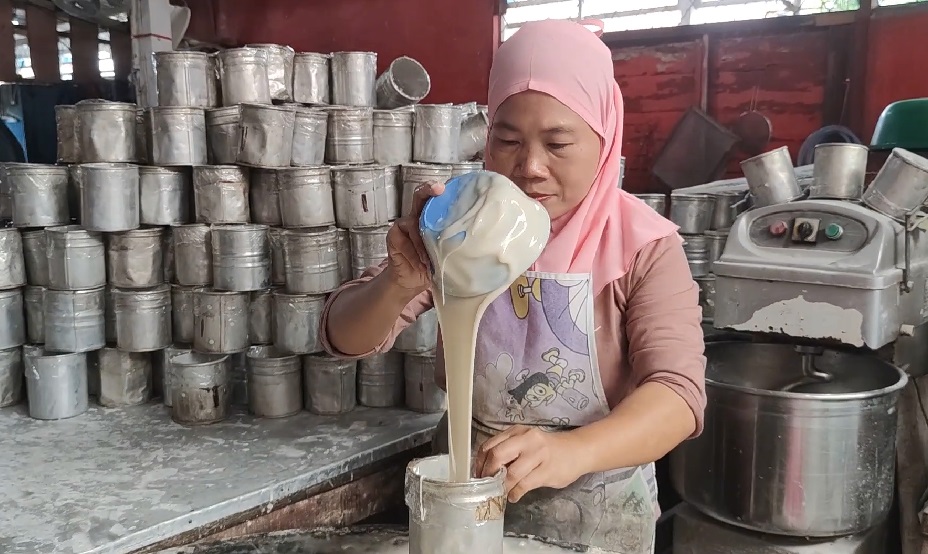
pixel 536 364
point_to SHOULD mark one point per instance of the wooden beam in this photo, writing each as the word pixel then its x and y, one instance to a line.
pixel 42 34
pixel 85 51
pixel 857 95
pixel 7 42
pixel 121 47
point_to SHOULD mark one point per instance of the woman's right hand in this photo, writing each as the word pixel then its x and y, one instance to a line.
pixel 408 261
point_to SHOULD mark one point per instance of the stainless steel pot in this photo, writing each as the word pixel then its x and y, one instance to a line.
pixel 311 78
pixel 353 78
pixel 839 171
pixel 728 205
pixel 771 178
pixel 404 83
pixel 692 212
pixel 657 202
pixel 437 134
pixel 901 185
pixel 816 461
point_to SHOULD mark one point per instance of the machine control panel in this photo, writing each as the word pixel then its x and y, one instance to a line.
pixel 809 229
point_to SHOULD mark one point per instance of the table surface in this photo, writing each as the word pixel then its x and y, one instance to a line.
pixel 115 480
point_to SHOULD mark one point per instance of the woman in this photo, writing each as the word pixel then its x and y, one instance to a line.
pixel 621 383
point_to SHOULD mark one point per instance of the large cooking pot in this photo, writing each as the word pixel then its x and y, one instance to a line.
pixel 815 461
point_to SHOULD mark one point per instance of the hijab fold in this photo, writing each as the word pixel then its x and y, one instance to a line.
pixel 567 61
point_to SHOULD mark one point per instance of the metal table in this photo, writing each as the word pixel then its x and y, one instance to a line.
pixel 116 481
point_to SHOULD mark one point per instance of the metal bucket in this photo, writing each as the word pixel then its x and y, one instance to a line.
pixel 404 83
pixel 6 201
pixel 437 134
pixel 421 336
pixel 182 319
pixel 311 78
pixel 422 392
pixel 311 261
pixel 706 296
pixel 474 129
pixel 279 70
pixel 463 168
pixel 74 320
pixel 66 128
pixel 692 212
pixel 309 131
pixel 350 136
pixel 34 304
pixel 361 198
pixel 414 175
pixel 296 322
pixel 35 257
pixel 275 237
pixel 38 194
pixel 243 75
pixel 220 194
pixel 143 136
pixel 261 317
pixel 12 263
pixel 771 178
pixel 773 486
pixel 391 175
pixel 220 321
pixel 900 186
pixel 224 134
pixel 450 517
pixel 380 380
pixel 106 132
pixel 143 319
pixel 353 78
pixel 715 245
pixel 167 248
pixel 201 388
pixel 241 257
pixel 56 384
pixel 306 198
pixel 267 136
pixel 839 171
pixel 125 378
pixel 109 197
pixel 135 259
pixel 164 195
pixel 393 136
pixel 178 136
pixel 727 207
pixel 76 258
pixel 368 248
pixel 330 384
pixel 343 251
pixel 184 79
pixel 263 197
pixel 193 253
pixel 274 382
pixel 163 362
pixel 11 376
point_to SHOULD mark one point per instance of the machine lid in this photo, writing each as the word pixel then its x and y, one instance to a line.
pixel 808 276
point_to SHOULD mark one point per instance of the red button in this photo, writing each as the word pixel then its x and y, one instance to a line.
pixel 779 228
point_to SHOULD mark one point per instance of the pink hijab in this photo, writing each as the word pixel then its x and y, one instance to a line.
pixel 569 62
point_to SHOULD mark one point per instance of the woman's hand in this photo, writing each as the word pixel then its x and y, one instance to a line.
pixel 408 261
pixel 533 459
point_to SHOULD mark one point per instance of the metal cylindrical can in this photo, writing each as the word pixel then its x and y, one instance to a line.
pixel 213 85
pixel 311 261
pixel 164 195
pixel 330 384
pixel 309 131
pixel 901 185
pixel 274 382
pixel 422 392
pixel 76 258
pixel 393 136
pixel 163 361
pixel 56 384
pixel 39 194
pixel 391 175
pixel 125 378
pixel 311 78
pixel 279 70
pixel 706 296
pixel 220 194
pixel 414 175
pixel 263 197
pixel 220 321
pixel 74 320
pixel 182 313
pixel 241 257
pixel 451 517
pixel 267 135
pixel 109 197
pixel 34 303
pixel 243 75
pixel 193 254
pixel 437 134
pixel 167 248
pixel 224 134
pixel 278 269
pixel 463 168
pixel 135 259
pixel 106 132
pixel 12 319
pixel 261 317
pixel 404 83
pixel 368 247
pixel 343 250
pixel 297 318
pixel 353 78
pixel 6 200
pixel 305 197
pixel 66 127
pixel 201 388
pixel 11 376
pixel 715 245
pixel 421 336
pixel 361 198
pixel 178 136
pixel 184 79
pixel 109 315
pixel 473 140
pixel 350 136
pixel 35 257
pixel 380 380
pixel 771 178
pixel 12 262
pixel 143 136
pixel 238 369
pixel 143 319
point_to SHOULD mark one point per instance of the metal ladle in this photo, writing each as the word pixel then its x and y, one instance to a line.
pixel 810 375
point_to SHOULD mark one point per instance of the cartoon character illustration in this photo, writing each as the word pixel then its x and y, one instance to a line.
pixel 543 388
pixel 520 291
pixel 492 378
pixel 567 310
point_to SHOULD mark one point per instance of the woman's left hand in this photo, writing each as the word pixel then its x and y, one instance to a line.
pixel 533 459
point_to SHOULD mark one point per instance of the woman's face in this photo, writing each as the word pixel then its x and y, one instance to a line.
pixel 545 148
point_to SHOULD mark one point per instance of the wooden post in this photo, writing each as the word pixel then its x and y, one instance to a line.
pixel 7 42
pixel 85 51
pixel 42 34
pixel 121 48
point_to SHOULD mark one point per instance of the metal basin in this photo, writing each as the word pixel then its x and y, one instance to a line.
pixel 817 461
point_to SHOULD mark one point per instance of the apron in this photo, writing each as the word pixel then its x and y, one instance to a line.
pixel 543 371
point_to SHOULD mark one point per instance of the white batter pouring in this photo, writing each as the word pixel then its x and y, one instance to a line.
pixel 493 233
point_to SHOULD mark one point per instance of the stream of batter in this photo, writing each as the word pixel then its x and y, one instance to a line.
pixel 492 234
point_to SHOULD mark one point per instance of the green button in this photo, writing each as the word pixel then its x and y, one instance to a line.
pixel 834 231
